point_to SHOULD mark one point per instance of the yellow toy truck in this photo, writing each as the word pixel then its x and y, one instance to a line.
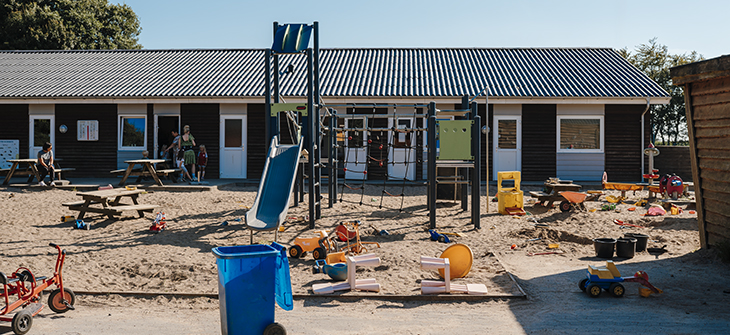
pixel 319 246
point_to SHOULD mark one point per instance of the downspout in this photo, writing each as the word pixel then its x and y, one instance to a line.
pixel 648 105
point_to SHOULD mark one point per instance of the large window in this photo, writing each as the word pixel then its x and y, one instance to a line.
pixel 132 132
pixel 580 134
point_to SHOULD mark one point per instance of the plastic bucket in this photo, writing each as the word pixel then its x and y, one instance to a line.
pixel 604 247
pixel 246 287
pixel 625 247
pixel 641 240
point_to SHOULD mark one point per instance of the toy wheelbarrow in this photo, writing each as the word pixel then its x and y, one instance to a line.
pixel 573 200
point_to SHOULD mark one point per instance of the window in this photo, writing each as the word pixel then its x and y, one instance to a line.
pixel 132 133
pixel 580 134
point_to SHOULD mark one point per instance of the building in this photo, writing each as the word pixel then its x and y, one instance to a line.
pixel 567 112
pixel 707 104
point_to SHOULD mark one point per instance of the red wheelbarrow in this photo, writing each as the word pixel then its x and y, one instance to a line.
pixel 573 200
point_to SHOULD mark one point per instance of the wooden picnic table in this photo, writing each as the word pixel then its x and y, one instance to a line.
pixel 31 162
pixel 109 201
pixel 148 168
pixel 552 191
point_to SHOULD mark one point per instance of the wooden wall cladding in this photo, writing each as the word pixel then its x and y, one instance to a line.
pixel 15 126
pixel 622 139
pixel 256 139
pixel 204 122
pixel 674 160
pixel 538 142
pixel 92 159
pixel 711 127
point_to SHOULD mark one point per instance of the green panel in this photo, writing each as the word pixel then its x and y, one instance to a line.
pixel 300 108
pixel 454 139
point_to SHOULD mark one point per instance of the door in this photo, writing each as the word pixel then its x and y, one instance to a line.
pixel 402 155
pixel 233 146
pixel 507 143
pixel 165 124
pixel 356 149
pixel 41 131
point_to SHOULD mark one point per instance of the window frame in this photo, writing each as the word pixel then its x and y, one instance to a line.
pixel 581 117
pixel 120 132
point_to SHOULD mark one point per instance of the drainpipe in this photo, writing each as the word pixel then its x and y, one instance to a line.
pixel 648 105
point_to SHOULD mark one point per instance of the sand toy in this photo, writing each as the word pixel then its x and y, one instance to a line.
pixel 460 259
pixel 609 278
pixel 437 286
pixel 369 284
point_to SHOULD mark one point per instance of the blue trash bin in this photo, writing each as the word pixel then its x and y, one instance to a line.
pixel 250 279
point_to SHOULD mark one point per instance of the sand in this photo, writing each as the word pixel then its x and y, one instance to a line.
pixel 122 255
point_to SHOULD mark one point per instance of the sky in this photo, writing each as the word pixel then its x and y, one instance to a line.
pixel 683 26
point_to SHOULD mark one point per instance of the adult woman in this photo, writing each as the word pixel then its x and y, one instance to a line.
pixel 186 143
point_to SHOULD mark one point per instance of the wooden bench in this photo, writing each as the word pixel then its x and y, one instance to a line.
pixel 78 203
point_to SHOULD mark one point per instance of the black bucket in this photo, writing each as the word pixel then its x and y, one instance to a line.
pixel 604 247
pixel 625 247
pixel 641 240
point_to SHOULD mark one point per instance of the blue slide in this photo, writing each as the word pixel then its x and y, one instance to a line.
pixel 275 190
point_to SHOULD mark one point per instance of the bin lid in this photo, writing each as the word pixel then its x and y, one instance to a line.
pixel 282 286
pixel 245 251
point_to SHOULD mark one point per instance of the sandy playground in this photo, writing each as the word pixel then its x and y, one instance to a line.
pixel 121 255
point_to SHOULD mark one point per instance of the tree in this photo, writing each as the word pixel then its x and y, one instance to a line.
pixel 668 122
pixel 67 24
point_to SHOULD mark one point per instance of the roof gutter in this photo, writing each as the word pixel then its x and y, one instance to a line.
pixel 648 105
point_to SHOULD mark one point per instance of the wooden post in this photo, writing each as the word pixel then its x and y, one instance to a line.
pixel 689 110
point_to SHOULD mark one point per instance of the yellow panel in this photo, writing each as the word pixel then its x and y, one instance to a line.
pixel 612 267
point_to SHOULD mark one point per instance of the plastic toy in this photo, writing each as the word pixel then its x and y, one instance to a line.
pixel 436 236
pixel 510 199
pixel 23 284
pixel 336 271
pixel 609 279
pixel 80 224
pixel 160 223
pixel 368 284
pixel 572 200
pixel 460 257
pixel 355 245
pixel 67 218
pixel 319 246
pixel 434 286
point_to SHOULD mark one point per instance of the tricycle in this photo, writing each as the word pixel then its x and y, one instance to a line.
pixel 26 289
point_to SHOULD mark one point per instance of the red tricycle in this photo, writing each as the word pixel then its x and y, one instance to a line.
pixel 28 288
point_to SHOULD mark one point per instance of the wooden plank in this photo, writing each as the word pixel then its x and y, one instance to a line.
pixel 717 196
pixel 711 86
pixel 713 143
pixel 720 231
pixel 139 207
pixel 713 154
pixel 711 112
pixel 724 122
pixel 715 164
pixel 713 185
pixel 719 98
pixel 718 219
pixel 713 239
pixel 717 207
pixel 77 203
pixel 713 132
pixel 694 160
pixel 716 175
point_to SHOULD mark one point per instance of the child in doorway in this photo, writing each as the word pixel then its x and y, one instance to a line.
pixel 181 165
pixel 202 161
pixel 45 164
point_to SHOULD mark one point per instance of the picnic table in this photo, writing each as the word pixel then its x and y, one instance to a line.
pixel 552 191
pixel 148 169
pixel 109 202
pixel 32 169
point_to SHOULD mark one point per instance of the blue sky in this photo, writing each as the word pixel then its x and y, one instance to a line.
pixel 681 25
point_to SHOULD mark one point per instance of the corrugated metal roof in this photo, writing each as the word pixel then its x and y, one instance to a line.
pixel 416 72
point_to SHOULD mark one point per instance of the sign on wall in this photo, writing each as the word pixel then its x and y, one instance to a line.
pixel 9 149
pixel 88 130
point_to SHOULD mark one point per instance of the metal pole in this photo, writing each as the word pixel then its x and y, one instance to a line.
pixel 332 184
pixel 310 120
pixel 464 172
pixel 432 164
pixel 270 131
pixel 276 69
pixel 476 179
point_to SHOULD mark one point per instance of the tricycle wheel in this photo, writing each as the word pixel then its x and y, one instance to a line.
pixel 565 206
pixel 22 321
pixel 61 303
pixel 582 285
pixel 275 329
pixel 319 253
pixel 295 251
pixel 617 290
pixel 594 290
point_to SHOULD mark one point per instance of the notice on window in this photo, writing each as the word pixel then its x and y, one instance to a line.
pixel 88 130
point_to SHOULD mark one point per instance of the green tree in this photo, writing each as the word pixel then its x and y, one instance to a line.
pixel 67 24
pixel 668 122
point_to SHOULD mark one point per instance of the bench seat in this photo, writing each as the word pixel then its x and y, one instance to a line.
pixel 140 207
pixel 78 203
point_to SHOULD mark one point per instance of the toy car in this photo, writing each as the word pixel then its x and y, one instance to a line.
pixel 319 246
pixel 609 279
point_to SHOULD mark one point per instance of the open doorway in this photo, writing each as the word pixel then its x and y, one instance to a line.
pixel 165 126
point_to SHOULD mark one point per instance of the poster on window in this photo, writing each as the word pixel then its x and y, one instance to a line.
pixel 88 130
pixel 9 149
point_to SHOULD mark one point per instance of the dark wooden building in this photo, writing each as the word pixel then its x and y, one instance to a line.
pixel 707 100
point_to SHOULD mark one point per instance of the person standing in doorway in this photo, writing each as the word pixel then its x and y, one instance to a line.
pixel 202 161
pixel 45 164
pixel 186 144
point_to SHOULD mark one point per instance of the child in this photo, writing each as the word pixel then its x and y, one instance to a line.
pixel 181 165
pixel 202 161
pixel 45 164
